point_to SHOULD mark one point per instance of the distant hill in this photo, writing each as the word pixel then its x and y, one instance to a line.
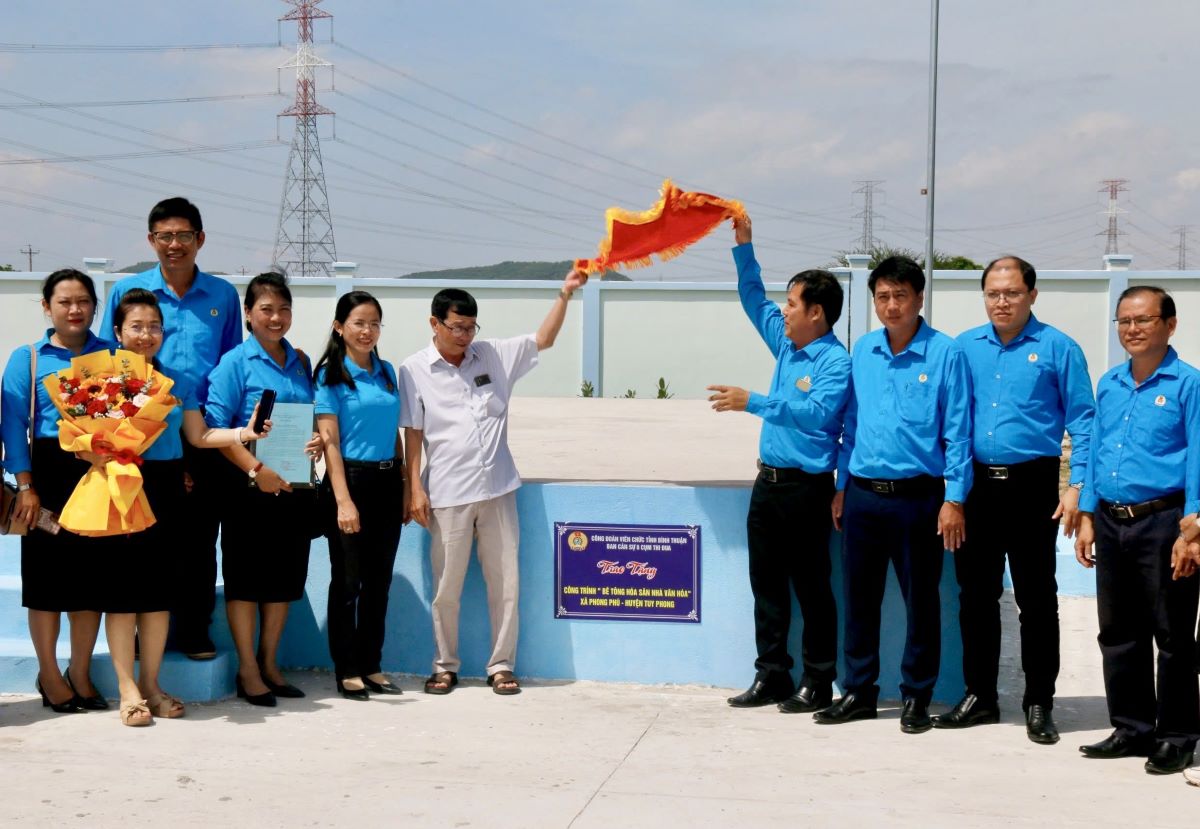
pixel 138 268
pixel 510 270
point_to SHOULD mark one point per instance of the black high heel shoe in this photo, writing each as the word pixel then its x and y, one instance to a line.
pixel 359 694
pixel 266 700
pixel 285 690
pixel 71 706
pixel 385 687
pixel 92 703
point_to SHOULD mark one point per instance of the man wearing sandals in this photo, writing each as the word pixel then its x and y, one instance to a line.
pixel 454 407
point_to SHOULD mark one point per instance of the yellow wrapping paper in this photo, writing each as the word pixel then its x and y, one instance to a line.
pixel 109 500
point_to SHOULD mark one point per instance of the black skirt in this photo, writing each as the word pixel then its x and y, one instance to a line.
pixel 142 572
pixel 60 572
pixel 265 542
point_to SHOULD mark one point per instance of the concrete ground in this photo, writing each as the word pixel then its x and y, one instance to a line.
pixel 576 754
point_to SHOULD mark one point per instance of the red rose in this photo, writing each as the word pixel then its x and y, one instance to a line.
pixel 112 389
pixel 129 409
pixel 93 389
pixel 134 386
pixel 77 398
pixel 73 382
pixel 96 407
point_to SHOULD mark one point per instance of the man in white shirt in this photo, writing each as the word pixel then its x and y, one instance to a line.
pixel 454 407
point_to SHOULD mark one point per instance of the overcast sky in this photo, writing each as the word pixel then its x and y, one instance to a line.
pixel 471 133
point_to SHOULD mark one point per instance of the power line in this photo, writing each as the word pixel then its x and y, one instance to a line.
pixel 105 48
pixel 66 159
pixel 140 102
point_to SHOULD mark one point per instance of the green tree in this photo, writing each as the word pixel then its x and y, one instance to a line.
pixel 7 268
pixel 941 261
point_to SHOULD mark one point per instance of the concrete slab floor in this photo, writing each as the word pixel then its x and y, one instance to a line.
pixel 576 754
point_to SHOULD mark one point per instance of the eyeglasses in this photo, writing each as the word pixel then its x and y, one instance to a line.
pixel 1137 322
pixel 137 329
pixel 992 297
pixel 360 326
pixel 183 237
pixel 461 330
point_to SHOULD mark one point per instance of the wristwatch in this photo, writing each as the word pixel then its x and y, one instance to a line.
pixel 24 487
pixel 1077 486
pixel 253 473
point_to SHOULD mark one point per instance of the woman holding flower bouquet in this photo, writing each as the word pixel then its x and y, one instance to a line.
pixel 266 529
pixel 57 570
pixel 136 601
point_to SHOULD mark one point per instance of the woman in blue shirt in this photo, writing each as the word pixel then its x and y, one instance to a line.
pixel 358 415
pixel 138 604
pixel 265 531
pixel 57 570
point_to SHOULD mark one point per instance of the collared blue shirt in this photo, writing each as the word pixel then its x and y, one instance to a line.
pixel 368 415
pixel 1146 441
pixel 909 413
pixel 14 399
pixel 168 446
pixel 198 327
pixel 802 412
pixel 242 376
pixel 1027 393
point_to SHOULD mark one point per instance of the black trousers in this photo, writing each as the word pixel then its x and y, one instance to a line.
pixel 787 531
pixel 196 545
pixel 901 529
pixel 1139 607
pixel 361 571
pixel 1011 517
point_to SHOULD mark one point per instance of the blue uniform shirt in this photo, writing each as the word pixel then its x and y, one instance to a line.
pixel 1027 393
pixel 909 413
pixel 198 327
pixel 1146 442
pixel 169 445
pixel 14 401
pixel 802 413
pixel 244 374
pixel 368 415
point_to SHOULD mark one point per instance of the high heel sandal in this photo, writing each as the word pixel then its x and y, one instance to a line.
pixel 92 703
pixel 71 706
pixel 165 706
pixel 266 700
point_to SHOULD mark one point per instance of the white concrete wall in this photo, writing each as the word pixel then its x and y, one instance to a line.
pixel 692 335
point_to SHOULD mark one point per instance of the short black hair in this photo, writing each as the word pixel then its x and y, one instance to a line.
pixel 68 275
pixel 453 299
pixel 899 269
pixel 1027 272
pixel 267 282
pixel 176 207
pixel 819 287
pixel 1166 303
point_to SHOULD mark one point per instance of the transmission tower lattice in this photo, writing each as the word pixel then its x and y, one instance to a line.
pixel 1112 186
pixel 304 239
pixel 1182 230
pixel 867 241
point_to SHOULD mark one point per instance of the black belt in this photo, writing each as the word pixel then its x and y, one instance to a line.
pixel 916 485
pixel 1004 472
pixel 1131 512
pixel 388 464
pixel 781 475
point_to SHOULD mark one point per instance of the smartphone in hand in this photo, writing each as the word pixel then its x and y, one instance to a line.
pixel 265 406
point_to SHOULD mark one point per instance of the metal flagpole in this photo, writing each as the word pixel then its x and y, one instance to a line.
pixel 929 174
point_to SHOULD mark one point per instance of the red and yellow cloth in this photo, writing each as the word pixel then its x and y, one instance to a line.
pixel 676 221
pixel 113 405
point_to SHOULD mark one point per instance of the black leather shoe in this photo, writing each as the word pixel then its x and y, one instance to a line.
pixel 359 694
pixel 266 700
pixel 74 705
pixel 1168 758
pixel 760 693
pixel 92 703
pixel 969 711
pixel 385 687
pixel 1039 725
pixel 1118 744
pixel 914 719
pixel 286 690
pixel 850 707
pixel 808 698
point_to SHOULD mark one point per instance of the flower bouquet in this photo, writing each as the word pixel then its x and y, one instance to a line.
pixel 113 406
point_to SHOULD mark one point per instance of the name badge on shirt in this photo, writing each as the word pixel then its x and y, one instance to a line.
pixel 1161 400
pixel 482 380
pixel 804 383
